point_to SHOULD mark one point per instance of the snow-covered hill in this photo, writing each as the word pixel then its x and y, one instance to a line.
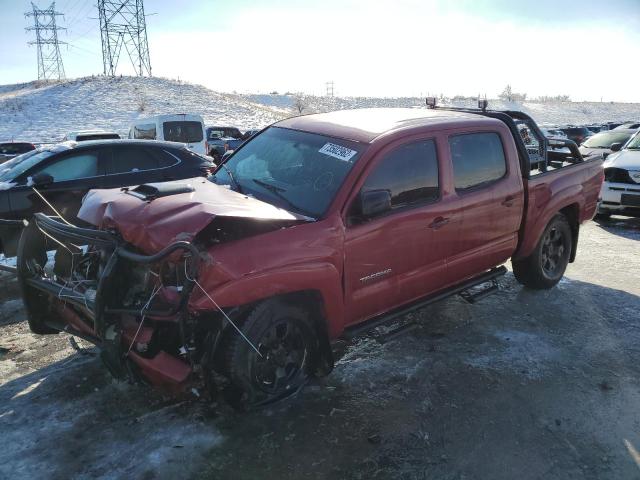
pixel 44 113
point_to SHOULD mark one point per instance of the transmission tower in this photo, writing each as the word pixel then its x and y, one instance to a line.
pixel 49 58
pixel 122 23
pixel 329 86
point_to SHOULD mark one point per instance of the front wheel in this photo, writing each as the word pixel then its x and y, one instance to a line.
pixel 285 337
pixel 547 263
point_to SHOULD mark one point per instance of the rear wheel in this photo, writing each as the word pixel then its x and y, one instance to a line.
pixel 285 338
pixel 547 263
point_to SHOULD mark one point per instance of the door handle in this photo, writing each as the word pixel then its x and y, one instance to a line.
pixel 438 222
pixel 508 202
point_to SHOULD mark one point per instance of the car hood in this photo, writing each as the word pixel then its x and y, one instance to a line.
pixel 151 225
pixel 588 152
pixel 627 159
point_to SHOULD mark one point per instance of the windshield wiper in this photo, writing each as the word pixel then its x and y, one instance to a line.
pixel 278 191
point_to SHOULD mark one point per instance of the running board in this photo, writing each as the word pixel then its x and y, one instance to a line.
pixel 474 297
pixel 358 330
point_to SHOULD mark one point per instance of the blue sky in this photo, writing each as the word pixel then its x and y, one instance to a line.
pixel 588 50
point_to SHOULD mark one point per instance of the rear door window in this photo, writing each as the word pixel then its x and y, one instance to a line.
pixel 183 131
pixel 478 159
pixel 131 159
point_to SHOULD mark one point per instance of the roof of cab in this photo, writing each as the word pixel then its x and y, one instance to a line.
pixel 366 124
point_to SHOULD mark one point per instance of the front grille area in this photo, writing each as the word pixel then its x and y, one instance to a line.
pixel 617 175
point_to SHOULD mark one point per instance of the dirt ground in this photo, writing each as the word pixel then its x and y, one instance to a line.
pixel 524 384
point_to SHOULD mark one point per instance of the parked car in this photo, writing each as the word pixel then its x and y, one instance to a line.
pixel 249 133
pixel 633 125
pixel 317 230
pixel 84 135
pixel 8 150
pixel 612 125
pixel 550 132
pixel 64 173
pixel 221 140
pixel 577 134
pixel 606 142
pixel 620 194
pixel 183 128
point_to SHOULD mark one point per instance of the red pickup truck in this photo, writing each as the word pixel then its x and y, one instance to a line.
pixel 319 228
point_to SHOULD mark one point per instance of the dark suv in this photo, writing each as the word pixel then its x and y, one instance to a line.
pixel 577 134
pixel 64 173
pixel 8 150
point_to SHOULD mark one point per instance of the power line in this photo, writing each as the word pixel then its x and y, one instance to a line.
pixel 49 59
pixel 123 24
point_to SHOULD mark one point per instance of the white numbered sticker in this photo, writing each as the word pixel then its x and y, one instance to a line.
pixel 337 151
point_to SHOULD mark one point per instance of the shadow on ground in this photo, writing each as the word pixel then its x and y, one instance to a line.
pixel 626 227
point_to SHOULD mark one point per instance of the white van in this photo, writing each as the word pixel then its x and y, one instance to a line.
pixel 182 127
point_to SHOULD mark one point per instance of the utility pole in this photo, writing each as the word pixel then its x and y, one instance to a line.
pixel 49 59
pixel 123 24
pixel 329 86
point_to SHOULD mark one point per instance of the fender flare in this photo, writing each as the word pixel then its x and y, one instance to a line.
pixel 321 277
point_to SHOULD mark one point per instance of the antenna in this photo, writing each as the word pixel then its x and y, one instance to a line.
pixel 49 58
pixel 123 24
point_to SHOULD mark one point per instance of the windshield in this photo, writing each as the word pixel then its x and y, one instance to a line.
pixel 15 167
pixel 634 143
pixel 183 132
pixel 298 171
pixel 605 140
pixel 220 132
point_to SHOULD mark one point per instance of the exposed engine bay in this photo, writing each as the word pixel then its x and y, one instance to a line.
pixel 133 304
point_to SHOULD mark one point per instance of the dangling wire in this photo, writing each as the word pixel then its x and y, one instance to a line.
pixel 52 207
pixel 221 310
pixel 155 290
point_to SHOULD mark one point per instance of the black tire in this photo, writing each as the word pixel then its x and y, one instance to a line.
pixel 32 253
pixel 287 340
pixel 546 265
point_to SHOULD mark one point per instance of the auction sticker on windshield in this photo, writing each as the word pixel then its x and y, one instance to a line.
pixel 337 151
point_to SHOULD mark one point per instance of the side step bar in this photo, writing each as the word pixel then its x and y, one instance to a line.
pixel 358 330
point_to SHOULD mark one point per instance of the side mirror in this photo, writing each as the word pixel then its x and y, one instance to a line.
pixel 226 155
pixel 615 147
pixel 375 202
pixel 42 179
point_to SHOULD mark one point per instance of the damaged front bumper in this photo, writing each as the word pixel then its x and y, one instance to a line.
pixel 133 306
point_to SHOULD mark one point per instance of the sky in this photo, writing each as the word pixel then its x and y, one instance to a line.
pixel 589 50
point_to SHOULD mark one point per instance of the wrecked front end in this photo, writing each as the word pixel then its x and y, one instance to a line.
pixel 132 305
pixel 134 301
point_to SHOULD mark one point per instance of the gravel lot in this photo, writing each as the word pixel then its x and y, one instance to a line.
pixel 524 384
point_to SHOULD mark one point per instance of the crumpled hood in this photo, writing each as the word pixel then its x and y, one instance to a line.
pixel 152 225
pixel 627 159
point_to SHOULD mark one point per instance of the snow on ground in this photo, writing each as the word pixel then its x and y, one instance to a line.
pixel 45 113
